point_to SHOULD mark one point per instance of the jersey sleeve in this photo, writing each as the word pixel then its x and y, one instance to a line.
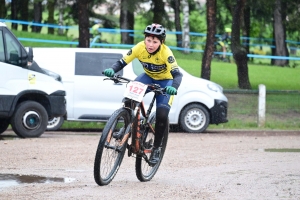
pixel 133 53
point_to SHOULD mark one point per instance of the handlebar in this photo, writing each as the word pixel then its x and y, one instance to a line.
pixel 156 88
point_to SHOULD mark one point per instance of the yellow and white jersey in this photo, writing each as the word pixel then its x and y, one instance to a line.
pixel 157 66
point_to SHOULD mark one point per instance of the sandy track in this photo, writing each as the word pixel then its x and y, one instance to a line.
pixel 216 165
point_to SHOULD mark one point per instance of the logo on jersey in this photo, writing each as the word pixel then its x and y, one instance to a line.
pixel 129 52
pixel 171 59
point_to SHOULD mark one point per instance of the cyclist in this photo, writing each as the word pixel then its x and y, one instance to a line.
pixel 225 41
pixel 95 29
pixel 160 67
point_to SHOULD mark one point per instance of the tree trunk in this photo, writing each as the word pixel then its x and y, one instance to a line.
pixel 177 22
pixel 51 8
pixel 186 27
pixel 2 9
pixel 24 13
pixel 211 7
pixel 126 22
pixel 279 35
pixel 37 18
pixel 14 13
pixel 61 16
pixel 158 11
pixel 239 52
pixel 247 26
pixel 83 21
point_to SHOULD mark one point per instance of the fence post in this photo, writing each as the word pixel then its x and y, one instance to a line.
pixel 261 105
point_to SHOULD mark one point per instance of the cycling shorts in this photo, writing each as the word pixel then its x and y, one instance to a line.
pixel 161 100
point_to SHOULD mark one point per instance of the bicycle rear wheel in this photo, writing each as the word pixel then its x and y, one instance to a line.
pixel 111 149
pixel 144 172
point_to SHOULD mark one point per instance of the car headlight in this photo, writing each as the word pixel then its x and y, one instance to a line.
pixel 214 87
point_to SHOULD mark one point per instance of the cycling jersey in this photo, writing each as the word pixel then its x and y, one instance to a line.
pixel 157 66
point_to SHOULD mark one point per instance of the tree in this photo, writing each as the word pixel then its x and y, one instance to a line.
pixel 14 13
pixel 24 13
pixel 175 4
pixel 51 7
pixel 37 15
pixel 158 11
pixel 83 22
pixel 239 52
pixel 211 32
pixel 126 21
pixel 2 9
pixel 279 34
pixel 186 26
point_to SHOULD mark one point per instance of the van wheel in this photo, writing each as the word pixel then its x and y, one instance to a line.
pixel 194 118
pixel 55 123
pixel 30 119
pixel 4 123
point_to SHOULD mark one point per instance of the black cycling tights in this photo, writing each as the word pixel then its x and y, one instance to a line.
pixel 160 125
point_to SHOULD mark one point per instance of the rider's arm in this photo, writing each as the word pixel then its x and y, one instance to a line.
pixel 132 54
pixel 177 77
pixel 119 65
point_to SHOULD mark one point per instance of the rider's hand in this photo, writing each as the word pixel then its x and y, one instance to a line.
pixel 171 90
pixel 109 72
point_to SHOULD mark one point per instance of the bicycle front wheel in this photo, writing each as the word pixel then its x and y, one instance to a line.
pixel 111 147
pixel 144 172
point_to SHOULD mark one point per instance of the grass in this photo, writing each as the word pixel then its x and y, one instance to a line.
pixel 283 111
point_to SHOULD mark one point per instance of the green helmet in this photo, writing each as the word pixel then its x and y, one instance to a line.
pixel 228 30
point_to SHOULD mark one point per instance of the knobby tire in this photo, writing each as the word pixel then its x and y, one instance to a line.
pixel 108 159
pixel 144 172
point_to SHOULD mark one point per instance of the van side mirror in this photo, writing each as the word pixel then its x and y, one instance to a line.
pixel 27 59
pixel 30 54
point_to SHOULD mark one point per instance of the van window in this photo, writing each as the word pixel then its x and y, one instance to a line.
pixel 2 57
pixel 13 52
pixel 93 64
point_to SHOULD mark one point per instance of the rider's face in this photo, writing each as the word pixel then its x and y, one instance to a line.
pixel 152 44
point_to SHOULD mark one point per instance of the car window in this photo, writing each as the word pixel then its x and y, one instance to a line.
pixel 137 67
pixel 93 64
pixel 13 49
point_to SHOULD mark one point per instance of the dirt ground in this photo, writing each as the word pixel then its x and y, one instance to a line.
pixel 215 165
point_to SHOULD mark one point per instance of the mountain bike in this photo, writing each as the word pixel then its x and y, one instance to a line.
pixel 133 121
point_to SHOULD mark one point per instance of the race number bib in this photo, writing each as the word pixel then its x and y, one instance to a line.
pixel 135 90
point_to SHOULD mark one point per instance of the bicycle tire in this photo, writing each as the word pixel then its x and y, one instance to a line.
pixel 108 159
pixel 144 172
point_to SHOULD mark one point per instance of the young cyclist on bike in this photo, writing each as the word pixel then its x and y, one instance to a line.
pixel 225 41
pixel 161 68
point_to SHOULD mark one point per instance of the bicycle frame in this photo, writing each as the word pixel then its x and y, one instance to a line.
pixel 136 109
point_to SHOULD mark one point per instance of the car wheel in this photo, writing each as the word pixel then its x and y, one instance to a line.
pixel 29 119
pixel 55 123
pixel 4 123
pixel 194 118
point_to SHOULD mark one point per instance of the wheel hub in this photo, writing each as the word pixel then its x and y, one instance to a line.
pixel 194 119
pixel 31 120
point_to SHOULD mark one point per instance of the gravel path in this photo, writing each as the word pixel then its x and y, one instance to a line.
pixel 216 165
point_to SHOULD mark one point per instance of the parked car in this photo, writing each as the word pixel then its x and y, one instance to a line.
pixel 199 102
pixel 29 95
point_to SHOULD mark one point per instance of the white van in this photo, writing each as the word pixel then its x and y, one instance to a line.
pixel 29 95
pixel 199 102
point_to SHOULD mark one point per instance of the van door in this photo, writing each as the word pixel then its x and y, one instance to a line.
pixel 94 98
pixel 13 78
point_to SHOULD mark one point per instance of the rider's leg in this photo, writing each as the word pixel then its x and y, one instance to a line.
pixel 224 52
pixel 161 126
